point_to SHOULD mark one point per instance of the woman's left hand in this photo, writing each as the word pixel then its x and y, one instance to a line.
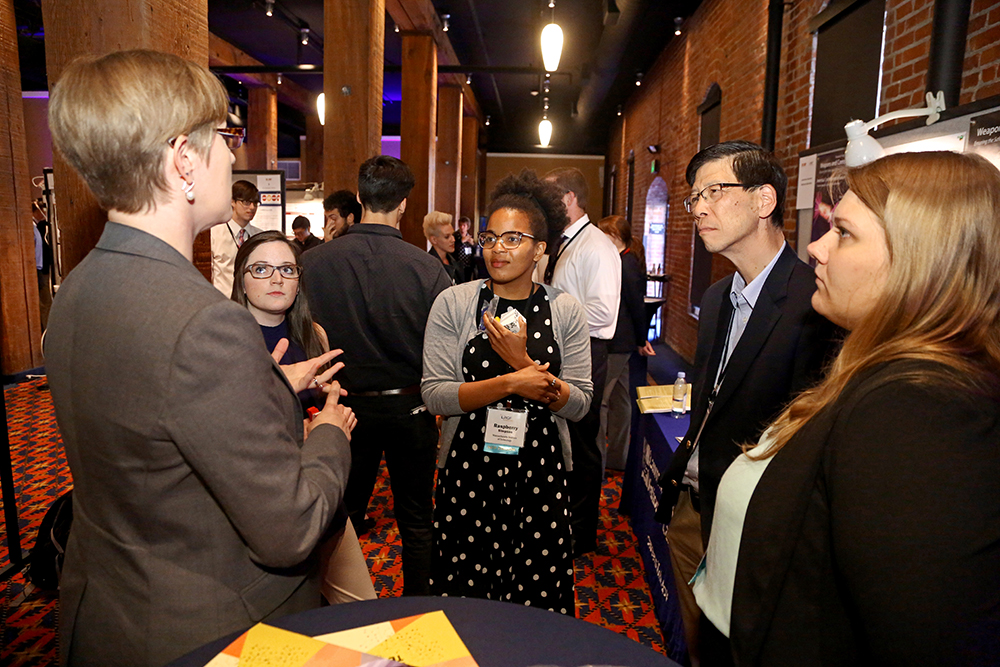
pixel 512 347
pixel 303 375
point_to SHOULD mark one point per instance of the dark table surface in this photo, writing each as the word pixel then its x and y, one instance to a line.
pixel 496 633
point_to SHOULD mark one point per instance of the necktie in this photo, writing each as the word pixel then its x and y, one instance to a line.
pixel 241 237
pixel 550 268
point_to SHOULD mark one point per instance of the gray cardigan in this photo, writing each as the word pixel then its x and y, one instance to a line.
pixel 453 323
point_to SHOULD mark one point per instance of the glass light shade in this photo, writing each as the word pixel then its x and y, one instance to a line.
pixel 321 108
pixel 862 148
pixel 552 43
pixel 545 132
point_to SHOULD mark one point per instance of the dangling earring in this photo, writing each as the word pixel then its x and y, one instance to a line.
pixel 188 189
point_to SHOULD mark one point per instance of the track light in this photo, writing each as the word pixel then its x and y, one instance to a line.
pixel 638 78
pixel 395 27
pixel 468 79
pixel 677 25
pixel 444 22
pixel 304 36
pixel 269 7
pixel 545 104
pixel 619 110
pixel 545 87
pixel 279 78
pixel 487 121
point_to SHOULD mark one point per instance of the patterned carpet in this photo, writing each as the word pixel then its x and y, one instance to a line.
pixel 610 588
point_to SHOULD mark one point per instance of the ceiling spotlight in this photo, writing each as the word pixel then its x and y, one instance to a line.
pixel 545 87
pixel 545 104
pixel 619 110
pixel 534 92
pixel 653 148
pixel 269 7
pixel 638 78
pixel 552 4
pixel 677 25
pixel 321 108
pixel 468 79
pixel 395 27
pixel 279 78
pixel 487 121
pixel 545 131
pixel 444 22
pixel 304 36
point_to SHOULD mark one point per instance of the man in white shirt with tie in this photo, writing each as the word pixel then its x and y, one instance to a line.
pixel 227 238
pixel 587 265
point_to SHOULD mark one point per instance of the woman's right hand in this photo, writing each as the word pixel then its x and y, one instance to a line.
pixel 535 383
pixel 334 413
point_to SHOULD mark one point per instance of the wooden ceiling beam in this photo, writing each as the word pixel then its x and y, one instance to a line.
pixel 420 16
pixel 223 54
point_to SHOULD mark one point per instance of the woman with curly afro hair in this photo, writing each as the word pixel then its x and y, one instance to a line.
pixel 507 362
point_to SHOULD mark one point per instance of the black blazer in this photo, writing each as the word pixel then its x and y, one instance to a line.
pixel 782 351
pixel 632 321
pixel 873 536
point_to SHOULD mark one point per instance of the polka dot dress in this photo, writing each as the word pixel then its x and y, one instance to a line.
pixel 502 522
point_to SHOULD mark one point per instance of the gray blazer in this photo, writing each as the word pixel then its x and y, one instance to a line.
pixel 452 324
pixel 196 504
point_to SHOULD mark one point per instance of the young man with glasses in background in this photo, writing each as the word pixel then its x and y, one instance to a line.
pixel 227 238
pixel 759 344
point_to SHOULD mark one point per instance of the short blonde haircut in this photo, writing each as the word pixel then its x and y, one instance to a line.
pixel 435 220
pixel 112 118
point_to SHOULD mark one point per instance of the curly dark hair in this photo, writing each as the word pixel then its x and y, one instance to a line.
pixel 540 200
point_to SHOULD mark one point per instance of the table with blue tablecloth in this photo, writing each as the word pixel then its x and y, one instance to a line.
pixel 654 439
pixel 497 634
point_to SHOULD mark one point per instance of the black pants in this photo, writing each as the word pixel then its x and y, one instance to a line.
pixel 585 480
pixel 386 424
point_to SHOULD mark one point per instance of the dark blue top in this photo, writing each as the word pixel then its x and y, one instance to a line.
pixel 272 335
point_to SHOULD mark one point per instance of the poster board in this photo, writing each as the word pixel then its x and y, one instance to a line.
pixel 271 212
pixel 971 128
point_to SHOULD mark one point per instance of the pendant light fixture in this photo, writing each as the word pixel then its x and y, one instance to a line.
pixel 552 42
pixel 545 131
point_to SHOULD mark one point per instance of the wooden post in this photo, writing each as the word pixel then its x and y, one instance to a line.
pixel 20 320
pixel 262 128
pixel 470 170
pixel 352 82
pixel 417 130
pixel 81 27
pixel 449 150
pixel 312 154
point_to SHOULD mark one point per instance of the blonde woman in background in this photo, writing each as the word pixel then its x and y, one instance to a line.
pixel 440 233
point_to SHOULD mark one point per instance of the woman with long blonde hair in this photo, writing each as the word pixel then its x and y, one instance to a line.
pixel 865 526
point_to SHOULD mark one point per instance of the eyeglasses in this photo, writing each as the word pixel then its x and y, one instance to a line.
pixel 233 136
pixel 262 271
pixel 710 193
pixel 249 202
pixel 508 240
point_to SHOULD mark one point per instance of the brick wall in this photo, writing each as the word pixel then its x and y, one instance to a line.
pixel 724 42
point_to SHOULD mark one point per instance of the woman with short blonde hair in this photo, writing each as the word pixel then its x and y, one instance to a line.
pixel 440 233
pixel 199 498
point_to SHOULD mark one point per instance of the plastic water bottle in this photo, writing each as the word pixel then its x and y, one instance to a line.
pixel 680 391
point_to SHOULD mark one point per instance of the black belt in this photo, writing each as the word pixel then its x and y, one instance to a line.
pixel 412 389
pixel 695 500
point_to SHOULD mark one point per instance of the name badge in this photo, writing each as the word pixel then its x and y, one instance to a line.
pixel 505 430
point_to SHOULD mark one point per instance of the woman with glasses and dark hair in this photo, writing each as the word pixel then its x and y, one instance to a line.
pixel 507 362
pixel 199 497
pixel 266 281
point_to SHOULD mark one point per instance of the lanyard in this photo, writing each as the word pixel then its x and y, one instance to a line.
pixel 565 244
pixel 721 377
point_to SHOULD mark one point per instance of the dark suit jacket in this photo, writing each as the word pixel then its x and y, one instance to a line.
pixel 781 352
pixel 873 536
pixel 196 504
pixel 632 321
